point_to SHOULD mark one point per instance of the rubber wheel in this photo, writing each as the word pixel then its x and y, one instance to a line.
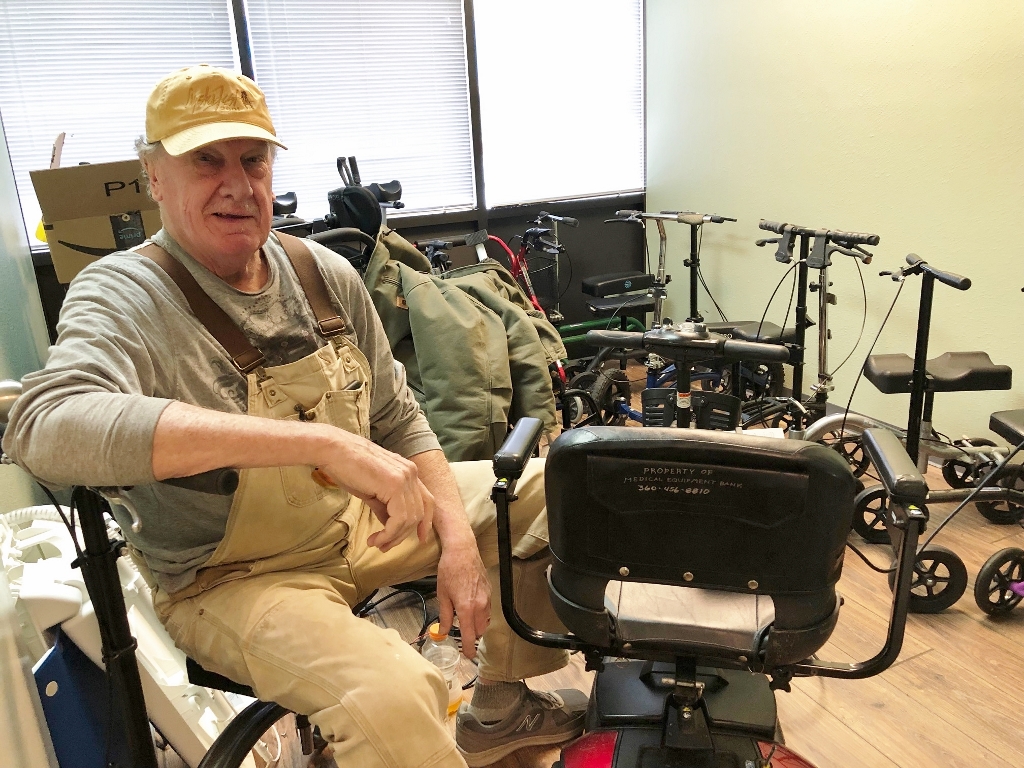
pixel 962 474
pixel 992 590
pixel 578 402
pixel 610 390
pixel 940 579
pixel 270 730
pixel 781 421
pixel 1004 512
pixel 851 447
pixel 869 510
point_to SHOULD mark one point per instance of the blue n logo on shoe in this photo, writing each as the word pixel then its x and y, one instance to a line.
pixel 529 723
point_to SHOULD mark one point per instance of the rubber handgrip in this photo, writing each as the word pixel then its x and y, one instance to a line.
pixel 219 482
pixel 900 476
pixel 690 218
pixel 860 238
pixel 570 221
pixel 751 350
pixel 771 226
pixel 952 279
pixel 619 339
pixel 511 458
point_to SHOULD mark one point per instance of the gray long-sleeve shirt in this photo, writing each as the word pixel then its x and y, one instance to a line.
pixel 129 344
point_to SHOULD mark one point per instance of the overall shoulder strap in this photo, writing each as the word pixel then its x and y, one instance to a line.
pixel 242 353
pixel 313 284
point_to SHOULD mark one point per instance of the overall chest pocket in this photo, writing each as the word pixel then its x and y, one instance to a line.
pixel 347 409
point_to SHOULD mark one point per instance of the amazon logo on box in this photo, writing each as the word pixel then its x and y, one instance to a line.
pixel 92 210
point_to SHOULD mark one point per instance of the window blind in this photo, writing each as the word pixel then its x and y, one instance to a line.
pixel 86 69
pixel 386 82
pixel 561 97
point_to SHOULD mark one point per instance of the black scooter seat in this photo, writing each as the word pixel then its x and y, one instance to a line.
pixel 949 372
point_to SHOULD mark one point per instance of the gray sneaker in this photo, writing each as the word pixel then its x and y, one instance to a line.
pixel 542 717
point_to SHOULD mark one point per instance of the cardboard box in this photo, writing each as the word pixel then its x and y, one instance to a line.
pixel 92 210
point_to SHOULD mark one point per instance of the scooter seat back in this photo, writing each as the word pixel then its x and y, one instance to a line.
pixel 699 618
pixel 693 509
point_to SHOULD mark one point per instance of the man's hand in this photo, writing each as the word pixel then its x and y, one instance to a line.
pixel 390 486
pixel 463 589
pixel 462 585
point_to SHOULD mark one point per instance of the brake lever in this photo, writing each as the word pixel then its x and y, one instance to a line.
pixel 854 251
pixel 114 495
pixel 897 276
pixel 763 242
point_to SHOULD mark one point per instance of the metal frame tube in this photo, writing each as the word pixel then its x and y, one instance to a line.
pixel 99 570
pixel 695 316
pixel 919 380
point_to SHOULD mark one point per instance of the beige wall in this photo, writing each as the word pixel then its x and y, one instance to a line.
pixel 900 117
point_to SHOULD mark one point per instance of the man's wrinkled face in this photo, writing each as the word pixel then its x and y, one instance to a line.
pixel 216 201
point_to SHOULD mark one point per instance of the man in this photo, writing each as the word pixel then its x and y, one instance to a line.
pixel 343 486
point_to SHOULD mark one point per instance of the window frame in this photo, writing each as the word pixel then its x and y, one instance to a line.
pixel 480 212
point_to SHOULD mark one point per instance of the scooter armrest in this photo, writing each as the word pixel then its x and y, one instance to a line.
pixel 511 458
pixel 902 480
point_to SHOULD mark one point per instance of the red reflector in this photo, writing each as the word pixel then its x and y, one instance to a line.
pixel 782 757
pixel 592 750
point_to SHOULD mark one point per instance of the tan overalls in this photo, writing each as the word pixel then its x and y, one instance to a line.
pixel 271 608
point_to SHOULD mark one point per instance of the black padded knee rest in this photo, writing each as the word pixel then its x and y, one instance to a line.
pixel 1009 425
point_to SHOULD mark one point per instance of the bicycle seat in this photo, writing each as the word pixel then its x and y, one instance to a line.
pixel 949 372
pixel 1009 425
pixel 388 192
pixel 770 333
pixel 198 675
pixel 723 546
pixel 285 204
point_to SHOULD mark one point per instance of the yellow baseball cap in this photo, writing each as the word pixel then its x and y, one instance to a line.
pixel 196 106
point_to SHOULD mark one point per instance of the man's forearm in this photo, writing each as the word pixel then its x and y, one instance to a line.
pixel 450 520
pixel 189 440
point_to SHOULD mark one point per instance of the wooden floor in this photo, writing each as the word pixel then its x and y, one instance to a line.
pixel 955 697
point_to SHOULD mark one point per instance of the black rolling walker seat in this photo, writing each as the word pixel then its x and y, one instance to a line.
pixel 690 566
pixel 622 295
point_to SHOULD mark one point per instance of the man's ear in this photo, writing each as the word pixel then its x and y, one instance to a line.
pixel 155 177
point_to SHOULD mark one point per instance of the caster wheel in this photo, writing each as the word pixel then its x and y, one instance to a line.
pixel 850 446
pixel 939 580
pixel 1004 512
pixel 578 406
pixel 998 582
pixel 610 391
pixel 963 474
pixel 869 511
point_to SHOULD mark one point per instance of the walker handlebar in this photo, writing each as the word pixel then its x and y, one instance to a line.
pixel 853 238
pixel 683 217
pixel 218 482
pixel 836 235
pixel 670 342
pixel 567 220
pixel 951 279
pixel 752 350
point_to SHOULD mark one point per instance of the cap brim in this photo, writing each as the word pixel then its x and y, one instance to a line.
pixel 201 135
